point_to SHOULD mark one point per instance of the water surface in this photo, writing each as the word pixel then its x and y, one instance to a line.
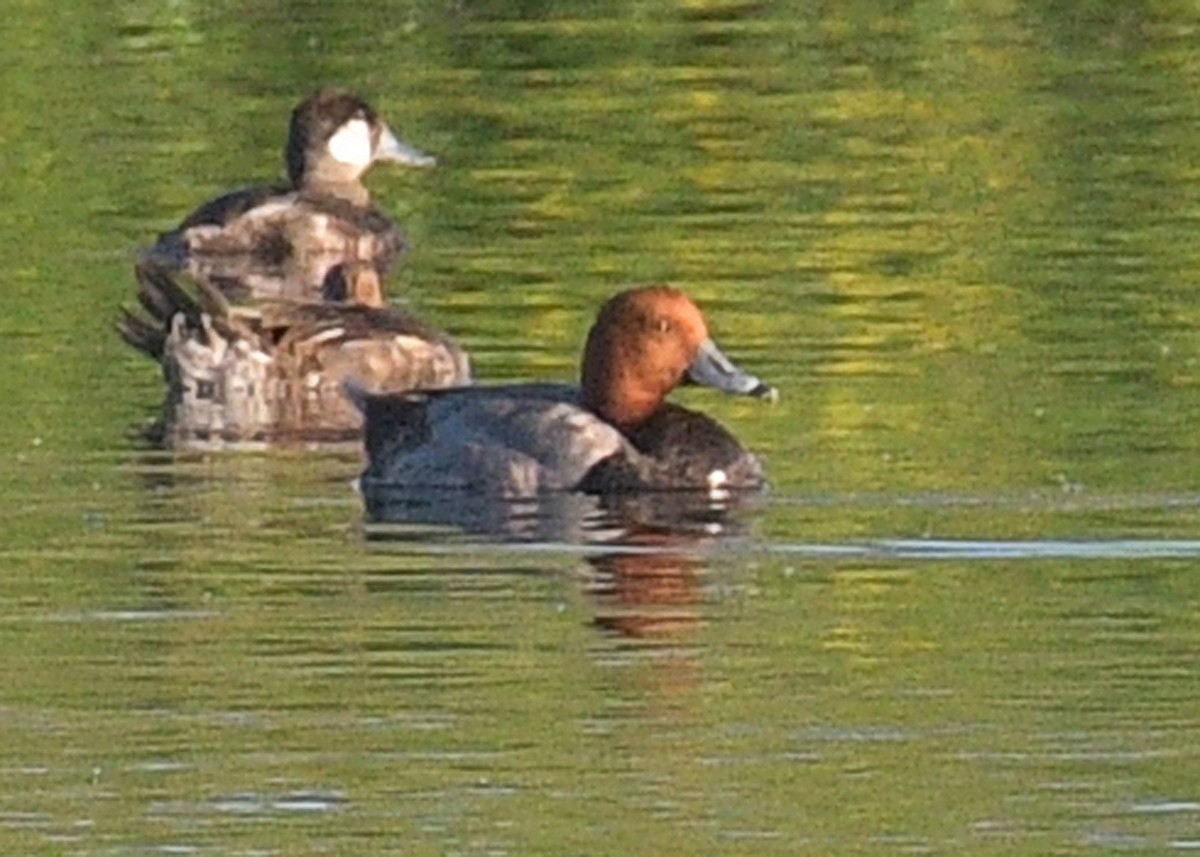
pixel 962 621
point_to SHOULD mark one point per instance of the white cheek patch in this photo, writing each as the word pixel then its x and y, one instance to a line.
pixel 351 144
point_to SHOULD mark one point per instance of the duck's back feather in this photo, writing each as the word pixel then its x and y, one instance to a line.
pixel 270 241
pixel 230 206
pixel 527 439
pixel 514 441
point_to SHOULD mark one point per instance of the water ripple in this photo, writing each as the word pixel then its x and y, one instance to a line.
pixel 970 549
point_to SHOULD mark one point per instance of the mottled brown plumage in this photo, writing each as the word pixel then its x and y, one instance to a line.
pixel 275 371
pixel 281 240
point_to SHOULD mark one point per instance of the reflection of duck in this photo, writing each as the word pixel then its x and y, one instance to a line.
pixel 613 433
pixel 275 371
pixel 282 240
pixel 560 517
pixel 646 594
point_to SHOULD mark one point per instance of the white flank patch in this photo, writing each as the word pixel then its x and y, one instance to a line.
pixel 352 143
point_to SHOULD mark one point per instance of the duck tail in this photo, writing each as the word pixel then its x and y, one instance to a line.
pixel 169 306
pixel 143 335
pixel 161 296
pixel 162 299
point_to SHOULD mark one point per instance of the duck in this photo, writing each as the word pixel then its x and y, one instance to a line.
pixel 281 240
pixel 614 432
pixel 274 371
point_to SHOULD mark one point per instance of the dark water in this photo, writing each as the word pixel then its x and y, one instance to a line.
pixel 964 620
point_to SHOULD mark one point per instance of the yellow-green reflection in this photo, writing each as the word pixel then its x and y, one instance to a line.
pixel 958 237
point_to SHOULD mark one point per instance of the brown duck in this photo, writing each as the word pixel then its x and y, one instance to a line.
pixel 275 371
pixel 282 240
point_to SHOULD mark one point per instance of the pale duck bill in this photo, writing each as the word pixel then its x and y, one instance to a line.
pixel 392 148
pixel 713 369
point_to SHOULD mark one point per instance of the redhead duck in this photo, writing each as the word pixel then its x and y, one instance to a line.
pixel 281 240
pixel 612 433
pixel 275 371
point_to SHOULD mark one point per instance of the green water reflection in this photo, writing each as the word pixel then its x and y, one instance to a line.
pixel 663 703
pixel 958 239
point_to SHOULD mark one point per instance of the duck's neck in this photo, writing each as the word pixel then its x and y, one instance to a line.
pixel 626 410
pixel 617 391
pixel 336 186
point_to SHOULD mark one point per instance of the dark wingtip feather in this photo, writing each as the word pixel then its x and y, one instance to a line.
pixel 162 295
pixel 148 338
pixel 163 299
